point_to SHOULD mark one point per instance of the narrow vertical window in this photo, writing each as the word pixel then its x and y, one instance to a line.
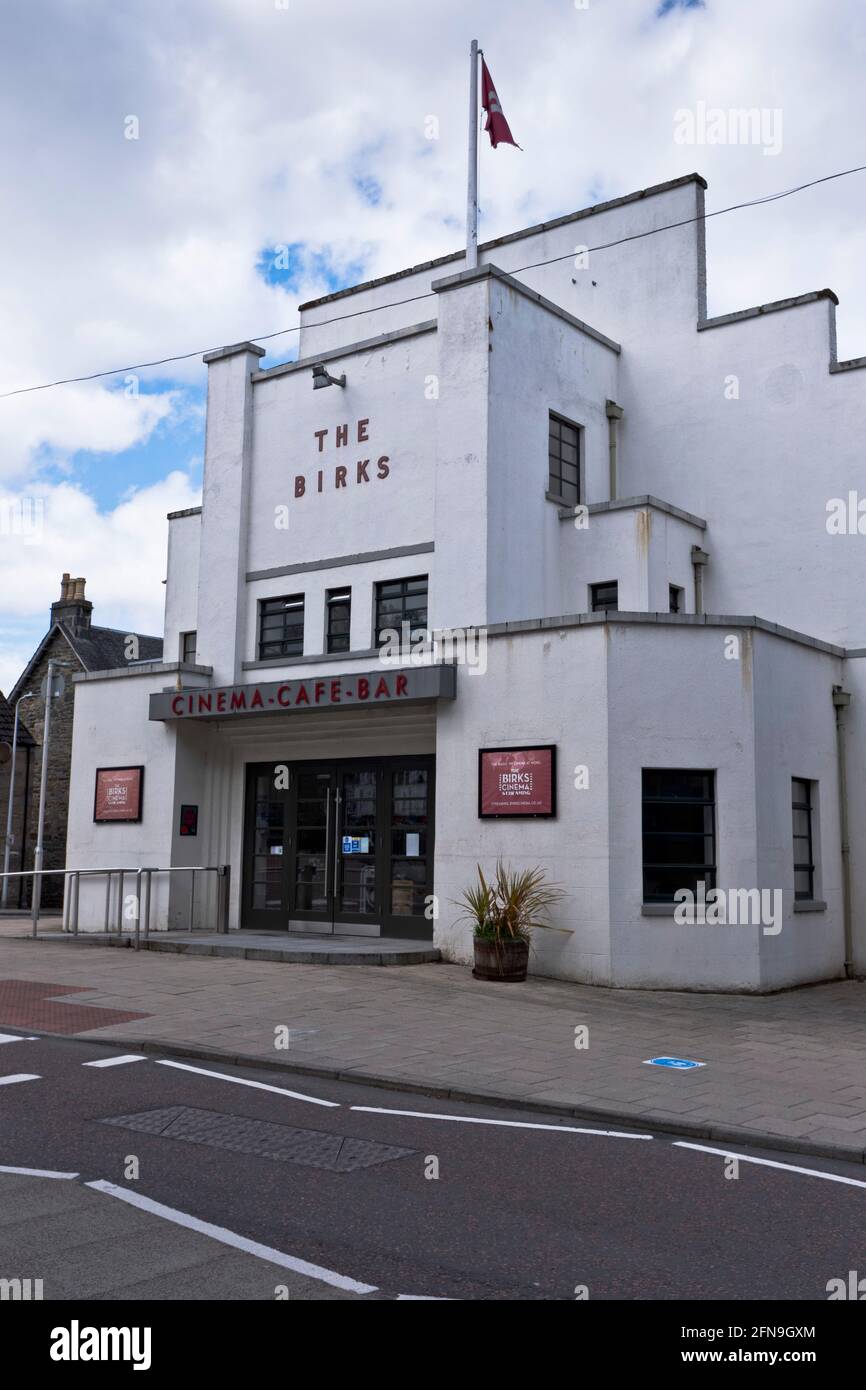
pixel 563 455
pixel 804 858
pixel 339 606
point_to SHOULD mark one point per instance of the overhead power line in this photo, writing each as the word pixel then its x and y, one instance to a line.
pixel 397 303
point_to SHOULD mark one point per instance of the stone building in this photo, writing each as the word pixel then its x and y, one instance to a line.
pixel 77 645
pixel 23 760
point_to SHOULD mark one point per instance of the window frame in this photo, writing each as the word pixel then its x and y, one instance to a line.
pixel 289 647
pixel 335 598
pixel 184 638
pixel 809 867
pixel 708 870
pixel 676 594
pixel 554 492
pixel 391 625
pixel 595 607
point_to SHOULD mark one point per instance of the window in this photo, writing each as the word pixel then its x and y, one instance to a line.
pixel 679 842
pixel 187 646
pixel 675 599
pixel 281 626
pixel 400 601
pixel 804 861
pixel 339 606
pixel 563 453
pixel 604 598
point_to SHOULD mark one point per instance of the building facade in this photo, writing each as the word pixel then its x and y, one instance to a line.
pixel 555 568
pixel 76 645
pixel 15 825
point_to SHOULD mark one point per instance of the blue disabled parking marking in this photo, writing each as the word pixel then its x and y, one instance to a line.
pixel 681 1063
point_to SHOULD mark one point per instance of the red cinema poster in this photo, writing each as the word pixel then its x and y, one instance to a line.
pixel 517 781
pixel 118 794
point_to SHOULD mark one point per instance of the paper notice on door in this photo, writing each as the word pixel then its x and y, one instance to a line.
pixel 413 846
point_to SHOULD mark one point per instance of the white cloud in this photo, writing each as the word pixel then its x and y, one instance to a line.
pixel 121 554
pixel 256 120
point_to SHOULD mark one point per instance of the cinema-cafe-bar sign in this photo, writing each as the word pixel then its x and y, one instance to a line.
pixel 383 687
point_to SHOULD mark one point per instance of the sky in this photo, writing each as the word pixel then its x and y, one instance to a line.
pixel 175 177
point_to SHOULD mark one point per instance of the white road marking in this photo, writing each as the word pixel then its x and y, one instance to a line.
pixel 421 1298
pixel 770 1163
pixel 250 1247
pixel 257 1085
pixel 115 1061
pixel 37 1173
pixel 18 1076
pixel 14 1037
pixel 507 1124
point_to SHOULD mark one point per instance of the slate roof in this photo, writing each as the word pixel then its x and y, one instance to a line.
pixel 97 648
pixel 103 648
pixel 7 724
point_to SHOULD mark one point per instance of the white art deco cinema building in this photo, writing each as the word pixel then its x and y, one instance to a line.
pixel 648 521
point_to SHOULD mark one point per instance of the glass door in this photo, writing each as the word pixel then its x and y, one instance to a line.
pixel 340 847
pixel 311 844
pixel 357 895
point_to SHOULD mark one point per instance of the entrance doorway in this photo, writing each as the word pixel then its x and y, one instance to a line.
pixel 340 847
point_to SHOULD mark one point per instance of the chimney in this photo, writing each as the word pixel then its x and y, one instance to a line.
pixel 72 609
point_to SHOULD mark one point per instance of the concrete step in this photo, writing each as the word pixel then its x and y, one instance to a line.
pixel 277 946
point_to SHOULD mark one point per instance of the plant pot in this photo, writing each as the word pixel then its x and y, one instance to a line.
pixel 504 961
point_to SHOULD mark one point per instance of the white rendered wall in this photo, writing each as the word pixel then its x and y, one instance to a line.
pixel 111 729
pixel 542 687
pixel 181 586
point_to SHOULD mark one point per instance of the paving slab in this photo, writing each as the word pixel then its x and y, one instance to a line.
pixel 787 1070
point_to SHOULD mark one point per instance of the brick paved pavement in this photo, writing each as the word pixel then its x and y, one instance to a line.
pixel 789 1069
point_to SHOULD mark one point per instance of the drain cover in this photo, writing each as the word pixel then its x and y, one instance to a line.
pixel 338 1153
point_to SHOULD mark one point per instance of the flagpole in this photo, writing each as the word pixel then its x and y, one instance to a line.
pixel 472 181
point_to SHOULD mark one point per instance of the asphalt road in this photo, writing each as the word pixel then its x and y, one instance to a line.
pixel 382 1205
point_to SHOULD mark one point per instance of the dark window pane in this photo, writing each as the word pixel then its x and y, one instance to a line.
pixel 401 601
pixel 563 455
pixel 678 832
pixel 281 626
pixel 604 597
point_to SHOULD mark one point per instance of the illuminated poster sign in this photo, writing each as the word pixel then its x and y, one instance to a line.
pixel 517 781
pixel 189 820
pixel 356 689
pixel 118 794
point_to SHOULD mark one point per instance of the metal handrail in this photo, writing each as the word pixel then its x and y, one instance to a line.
pixel 143 878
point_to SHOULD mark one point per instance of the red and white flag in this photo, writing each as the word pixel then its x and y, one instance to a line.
pixel 497 126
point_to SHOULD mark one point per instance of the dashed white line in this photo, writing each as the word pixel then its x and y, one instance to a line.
pixel 250 1247
pixel 115 1061
pixel 770 1163
pixel 15 1037
pixel 18 1076
pixel 37 1173
pixel 257 1085
pixel 507 1124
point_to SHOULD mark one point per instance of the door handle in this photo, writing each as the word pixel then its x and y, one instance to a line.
pixel 327 823
pixel 336 839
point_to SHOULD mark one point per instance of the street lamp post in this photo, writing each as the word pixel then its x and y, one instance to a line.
pixel 28 695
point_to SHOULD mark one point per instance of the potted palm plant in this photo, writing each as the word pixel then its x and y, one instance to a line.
pixel 504 913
